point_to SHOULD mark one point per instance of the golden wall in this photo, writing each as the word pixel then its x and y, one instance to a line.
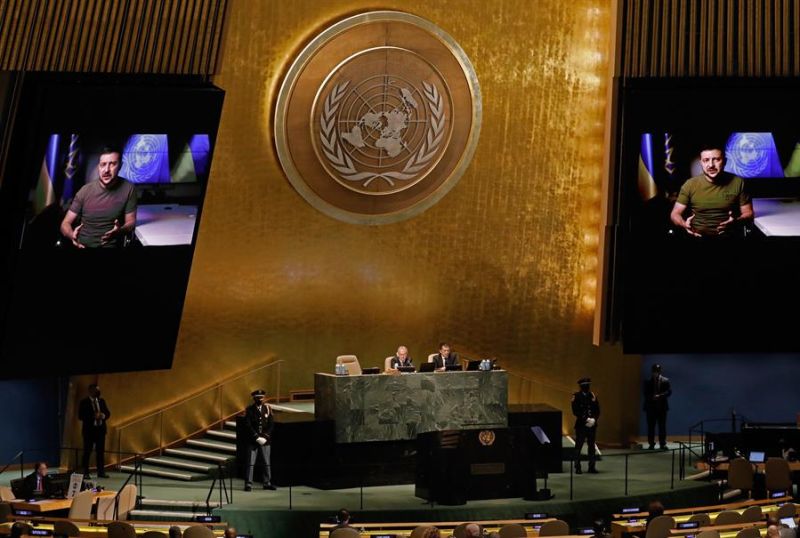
pixel 503 266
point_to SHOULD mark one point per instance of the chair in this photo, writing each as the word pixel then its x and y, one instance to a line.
pixel 752 532
pixel 660 526
pixel 431 356
pixel 81 507
pixel 728 517
pixel 344 532
pixel 740 475
pixel 154 534
pixel 554 528
pixel 387 363
pixel 127 502
pixel 351 363
pixel 703 519
pixel 786 510
pixel 419 532
pixel 513 530
pixel 777 475
pixel 65 528
pixel 6 494
pixel 752 514
pixel 708 534
pixel 120 529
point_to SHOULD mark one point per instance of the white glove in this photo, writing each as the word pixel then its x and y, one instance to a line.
pixel 590 422
pixel 261 441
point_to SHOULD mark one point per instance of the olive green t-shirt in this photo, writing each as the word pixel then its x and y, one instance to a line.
pixel 711 202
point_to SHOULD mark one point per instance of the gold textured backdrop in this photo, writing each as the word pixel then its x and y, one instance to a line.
pixel 503 266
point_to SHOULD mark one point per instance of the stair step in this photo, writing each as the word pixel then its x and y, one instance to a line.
pixel 222 434
pixel 179 504
pixel 163 515
pixel 231 424
pixel 163 472
pixel 192 453
pixel 188 465
pixel 212 445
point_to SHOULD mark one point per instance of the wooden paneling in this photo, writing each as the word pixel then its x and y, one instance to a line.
pixel 111 36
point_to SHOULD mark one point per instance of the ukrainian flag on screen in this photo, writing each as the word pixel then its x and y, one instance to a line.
pixel 145 159
pixel 752 155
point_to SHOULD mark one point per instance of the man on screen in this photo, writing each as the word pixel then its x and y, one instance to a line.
pixel 106 207
pixel 715 202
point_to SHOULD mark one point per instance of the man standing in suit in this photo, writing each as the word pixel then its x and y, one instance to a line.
pixel 586 408
pixel 444 358
pixel 260 423
pixel 656 391
pixel 93 413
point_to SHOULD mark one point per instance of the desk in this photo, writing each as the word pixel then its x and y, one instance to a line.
pixel 689 510
pixel 723 466
pixel 403 530
pixel 168 224
pixel 398 407
pixel 777 216
pixel 51 505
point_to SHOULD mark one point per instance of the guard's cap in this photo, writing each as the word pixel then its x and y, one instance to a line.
pixel 585 381
pixel 258 393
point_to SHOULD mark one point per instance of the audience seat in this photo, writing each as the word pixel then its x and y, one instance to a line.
pixel 778 475
pixel 65 528
pixel 120 529
pixel 740 475
pixel 418 532
pixel 786 510
pixel 752 532
pixel 554 528
pixel 81 507
pixel 154 534
pixel 513 530
pixel 728 517
pixel 660 527
pixel 344 532
pixel 752 514
pixel 703 519
pixel 6 494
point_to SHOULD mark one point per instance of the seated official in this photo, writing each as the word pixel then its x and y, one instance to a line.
pixel 400 358
pixel 445 358
pixel 38 484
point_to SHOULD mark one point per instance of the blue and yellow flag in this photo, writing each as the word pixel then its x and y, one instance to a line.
pixel 69 171
pixel 45 195
pixel 645 180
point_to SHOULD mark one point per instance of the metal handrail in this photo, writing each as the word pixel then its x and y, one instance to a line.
pixel 202 393
pixel 218 387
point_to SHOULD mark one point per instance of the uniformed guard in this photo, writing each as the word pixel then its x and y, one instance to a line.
pixel 260 423
pixel 586 408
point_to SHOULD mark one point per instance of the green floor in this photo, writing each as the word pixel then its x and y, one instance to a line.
pixel 297 512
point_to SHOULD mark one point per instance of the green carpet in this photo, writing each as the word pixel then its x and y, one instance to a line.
pixel 299 511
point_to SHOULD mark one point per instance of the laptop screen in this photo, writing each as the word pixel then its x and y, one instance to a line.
pixel 789 522
pixel 756 457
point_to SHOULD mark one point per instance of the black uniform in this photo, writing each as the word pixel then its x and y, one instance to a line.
pixel 260 423
pixel 585 405
pixel 656 392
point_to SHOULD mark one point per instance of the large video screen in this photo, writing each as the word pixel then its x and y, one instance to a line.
pixel 155 180
pixel 101 196
pixel 708 217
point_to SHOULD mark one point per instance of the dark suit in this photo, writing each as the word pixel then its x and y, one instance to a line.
pixel 259 424
pixel 656 392
pixel 440 362
pixel 29 486
pixel 94 432
pixel 585 405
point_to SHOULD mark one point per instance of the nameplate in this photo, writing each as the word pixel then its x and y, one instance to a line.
pixel 208 519
pixel 487 468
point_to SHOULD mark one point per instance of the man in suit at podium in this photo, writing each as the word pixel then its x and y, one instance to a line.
pixel 444 358
pixel 260 423
pixel 93 413
pixel 586 408
pixel 656 391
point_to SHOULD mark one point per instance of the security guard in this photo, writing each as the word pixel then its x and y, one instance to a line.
pixel 260 423
pixel 586 408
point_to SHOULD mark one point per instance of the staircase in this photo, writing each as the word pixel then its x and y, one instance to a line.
pixel 197 459
pixel 163 510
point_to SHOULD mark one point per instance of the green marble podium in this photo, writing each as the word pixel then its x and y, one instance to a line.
pixel 397 407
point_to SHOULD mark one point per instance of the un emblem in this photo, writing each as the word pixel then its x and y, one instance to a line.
pixel 377 118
